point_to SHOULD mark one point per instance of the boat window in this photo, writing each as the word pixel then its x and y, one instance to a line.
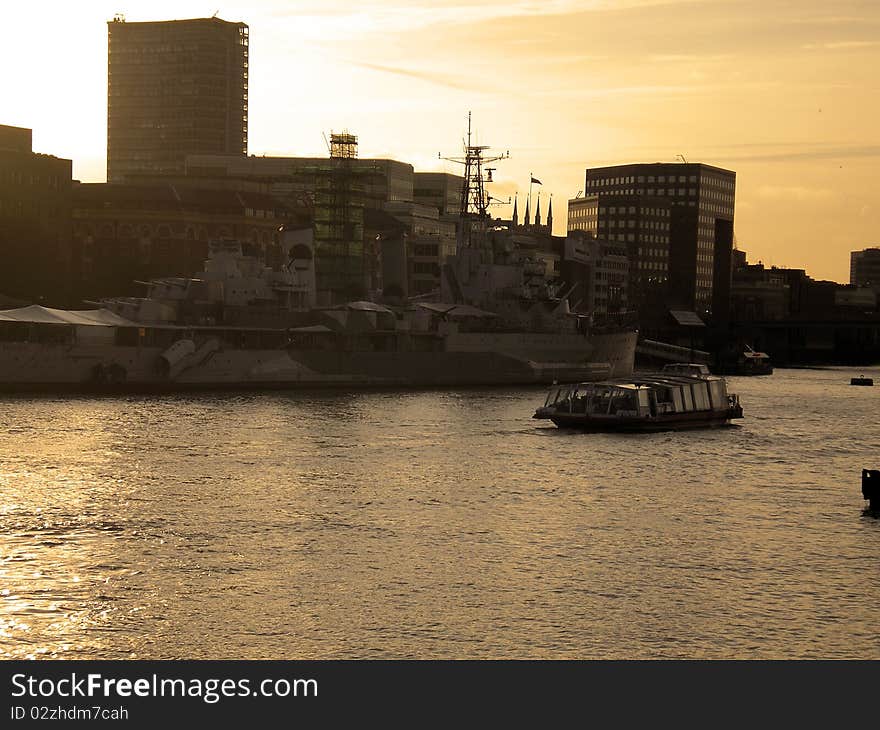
pixel 599 401
pixel 558 395
pixel 623 401
pixel 719 401
pixel 701 400
pixel 677 402
pixel 687 398
pixel 552 396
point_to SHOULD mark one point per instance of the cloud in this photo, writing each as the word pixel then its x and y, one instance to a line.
pixel 840 45
pixel 636 90
pixel 688 57
pixel 795 192
pixel 429 76
pixel 806 153
pixel 338 21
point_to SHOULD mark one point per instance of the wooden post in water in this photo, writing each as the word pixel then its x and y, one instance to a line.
pixel 871 487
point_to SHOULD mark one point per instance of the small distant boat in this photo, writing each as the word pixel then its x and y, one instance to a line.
pixel 861 381
pixel 750 362
pixel 679 397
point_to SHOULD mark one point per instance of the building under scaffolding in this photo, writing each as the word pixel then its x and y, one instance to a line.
pixel 337 192
pixel 341 267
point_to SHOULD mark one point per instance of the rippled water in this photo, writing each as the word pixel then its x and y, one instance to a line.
pixel 436 524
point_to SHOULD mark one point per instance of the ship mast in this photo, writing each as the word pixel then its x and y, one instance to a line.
pixel 475 200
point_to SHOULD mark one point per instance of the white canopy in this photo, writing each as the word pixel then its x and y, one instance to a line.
pixel 86 317
pixel 365 307
pixel 455 310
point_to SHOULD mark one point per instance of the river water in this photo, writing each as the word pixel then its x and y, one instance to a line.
pixel 436 524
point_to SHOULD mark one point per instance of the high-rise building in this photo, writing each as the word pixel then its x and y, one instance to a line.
pixel 174 88
pixel 439 189
pixel 600 268
pixel 35 223
pixel 640 225
pixel 864 268
pixel 700 200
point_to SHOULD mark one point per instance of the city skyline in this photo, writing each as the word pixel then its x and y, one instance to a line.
pixel 781 92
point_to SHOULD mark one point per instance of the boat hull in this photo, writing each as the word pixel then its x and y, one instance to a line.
pixel 522 360
pixel 635 424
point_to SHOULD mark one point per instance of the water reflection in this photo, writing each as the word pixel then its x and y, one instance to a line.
pixel 434 524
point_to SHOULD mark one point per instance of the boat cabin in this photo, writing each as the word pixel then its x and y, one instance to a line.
pixel 648 396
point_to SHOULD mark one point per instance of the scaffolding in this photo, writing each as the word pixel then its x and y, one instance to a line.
pixel 343 268
pixel 343 146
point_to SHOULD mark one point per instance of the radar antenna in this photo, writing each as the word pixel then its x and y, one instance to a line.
pixel 474 198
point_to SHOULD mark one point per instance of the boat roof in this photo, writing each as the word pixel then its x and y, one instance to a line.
pixel 604 384
pixel 647 380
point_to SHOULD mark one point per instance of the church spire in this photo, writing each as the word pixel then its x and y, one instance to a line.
pixel 538 211
pixel 515 219
pixel 550 214
pixel 526 219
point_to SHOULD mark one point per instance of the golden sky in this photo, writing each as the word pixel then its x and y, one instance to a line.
pixel 784 92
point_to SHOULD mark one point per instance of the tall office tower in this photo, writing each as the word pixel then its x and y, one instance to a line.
pixel 35 208
pixel 700 223
pixel 174 88
pixel 640 224
pixel 864 268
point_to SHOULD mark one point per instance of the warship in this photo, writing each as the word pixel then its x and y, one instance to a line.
pixel 155 343
pixel 243 324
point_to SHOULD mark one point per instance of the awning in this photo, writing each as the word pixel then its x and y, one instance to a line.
pixel 310 328
pixel 86 317
pixel 366 307
pixel 455 310
pixel 686 318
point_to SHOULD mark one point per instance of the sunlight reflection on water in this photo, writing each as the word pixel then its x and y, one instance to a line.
pixel 435 524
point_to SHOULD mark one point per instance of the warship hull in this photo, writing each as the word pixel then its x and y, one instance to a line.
pixel 212 364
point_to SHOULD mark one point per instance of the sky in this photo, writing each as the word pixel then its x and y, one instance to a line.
pixel 784 92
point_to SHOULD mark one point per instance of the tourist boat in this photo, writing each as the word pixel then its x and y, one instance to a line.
pixel 861 381
pixel 663 401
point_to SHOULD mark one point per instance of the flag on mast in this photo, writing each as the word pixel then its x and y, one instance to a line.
pixel 536 181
